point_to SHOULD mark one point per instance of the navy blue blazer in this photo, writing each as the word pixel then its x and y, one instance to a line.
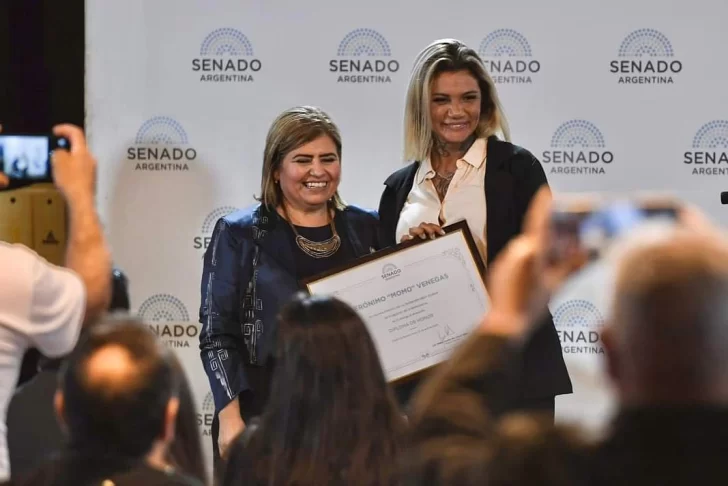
pixel 248 275
pixel 512 177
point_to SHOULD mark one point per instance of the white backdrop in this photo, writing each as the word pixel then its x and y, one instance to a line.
pixel 180 95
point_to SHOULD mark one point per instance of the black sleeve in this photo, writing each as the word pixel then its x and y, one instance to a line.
pixel 227 269
pixel 529 177
pixel 377 233
pixel 387 218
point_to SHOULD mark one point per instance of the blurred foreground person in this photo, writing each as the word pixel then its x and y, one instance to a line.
pixel 118 400
pixel 667 353
pixel 331 418
pixel 33 433
pixel 42 305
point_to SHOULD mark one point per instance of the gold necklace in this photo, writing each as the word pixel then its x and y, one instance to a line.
pixel 315 249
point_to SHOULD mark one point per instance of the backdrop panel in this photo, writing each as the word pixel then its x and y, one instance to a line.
pixel 618 95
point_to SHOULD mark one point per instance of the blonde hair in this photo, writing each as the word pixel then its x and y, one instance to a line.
pixel 441 56
pixel 291 129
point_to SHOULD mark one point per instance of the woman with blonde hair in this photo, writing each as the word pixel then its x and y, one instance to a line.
pixel 463 167
pixel 257 257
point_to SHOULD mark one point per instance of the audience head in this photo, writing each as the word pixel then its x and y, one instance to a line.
pixel 118 391
pixel 303 146
pixel 450 98
pixel 667 341
pixel 331 414
pixel 496 456
pixel 555 456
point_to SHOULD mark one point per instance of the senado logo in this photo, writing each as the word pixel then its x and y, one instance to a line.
pixel 226 56
pixel 709 154
pixel 578 324
pixel 203 240
pixel 161 145
pixel 390 271
pixel 508 58
pixel 164 308
pixel 646 57
pixel 165 315
pixel 578 147
pixel 364 56
pixel 204 419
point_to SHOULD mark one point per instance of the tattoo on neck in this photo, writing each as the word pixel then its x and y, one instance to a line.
pixel 442 150
pixel 442 180
pixel 441 185
pixel 440 147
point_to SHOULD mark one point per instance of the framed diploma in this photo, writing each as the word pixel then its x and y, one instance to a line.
pixel 419 299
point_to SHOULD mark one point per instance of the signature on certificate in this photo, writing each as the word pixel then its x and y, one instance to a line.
pixel 445 332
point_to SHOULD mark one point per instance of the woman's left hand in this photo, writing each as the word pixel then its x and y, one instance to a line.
pixel 424 231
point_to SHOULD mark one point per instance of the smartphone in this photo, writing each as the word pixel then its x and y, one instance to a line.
pixel 592 223
pixel 26 158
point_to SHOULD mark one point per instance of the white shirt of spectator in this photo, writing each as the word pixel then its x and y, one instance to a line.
pixel 41 306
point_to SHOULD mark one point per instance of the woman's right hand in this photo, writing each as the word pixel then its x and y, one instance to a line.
pixel 231 426
pixel 424 231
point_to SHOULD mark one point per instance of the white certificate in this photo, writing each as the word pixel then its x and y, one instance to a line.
pixel 419 300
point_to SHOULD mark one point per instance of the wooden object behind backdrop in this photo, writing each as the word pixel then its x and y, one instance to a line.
pixel 36 217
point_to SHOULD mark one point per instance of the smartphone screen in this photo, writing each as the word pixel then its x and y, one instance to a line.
pixel 28 157
pixel 593 229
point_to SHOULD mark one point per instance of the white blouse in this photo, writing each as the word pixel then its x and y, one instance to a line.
pixel 464 200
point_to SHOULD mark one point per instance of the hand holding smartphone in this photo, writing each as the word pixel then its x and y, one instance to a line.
pixel 26 158
pixel 592 222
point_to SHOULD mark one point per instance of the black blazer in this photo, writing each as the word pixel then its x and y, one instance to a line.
pixel 512 177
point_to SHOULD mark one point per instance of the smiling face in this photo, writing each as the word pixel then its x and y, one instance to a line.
pixel 309 175
pixel 455 101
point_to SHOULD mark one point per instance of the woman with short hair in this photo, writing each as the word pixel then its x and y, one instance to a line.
pixel 258 256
